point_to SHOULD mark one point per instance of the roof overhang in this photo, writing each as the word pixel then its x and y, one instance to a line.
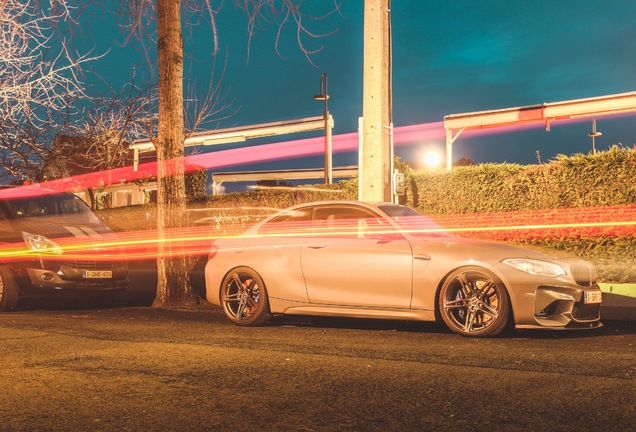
pixel 243 133
pixel 548 112
pixel 455 124
pixel 297 174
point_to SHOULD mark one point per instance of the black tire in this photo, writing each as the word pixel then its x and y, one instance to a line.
pixel 244 297
pixel 474 302
pixel 8 290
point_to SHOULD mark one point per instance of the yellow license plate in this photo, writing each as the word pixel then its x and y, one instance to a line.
pixel 98 274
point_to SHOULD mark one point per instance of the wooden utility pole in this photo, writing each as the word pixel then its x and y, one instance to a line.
pixel 376 160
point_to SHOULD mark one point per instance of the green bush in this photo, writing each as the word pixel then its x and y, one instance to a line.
pixel 195 182
pixel 606 178
pixel 600 184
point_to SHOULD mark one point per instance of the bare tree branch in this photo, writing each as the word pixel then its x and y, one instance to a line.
pixel 279 13
pixel 37 81
pixel 99 141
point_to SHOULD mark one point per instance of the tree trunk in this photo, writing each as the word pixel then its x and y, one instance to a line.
pixel 173 287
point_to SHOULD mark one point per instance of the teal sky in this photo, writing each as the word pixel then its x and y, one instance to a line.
pixel 449 56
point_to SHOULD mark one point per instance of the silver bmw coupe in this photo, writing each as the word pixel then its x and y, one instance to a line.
pixel 383 260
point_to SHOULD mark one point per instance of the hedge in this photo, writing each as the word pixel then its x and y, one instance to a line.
pixel 606 178
pixel 554 205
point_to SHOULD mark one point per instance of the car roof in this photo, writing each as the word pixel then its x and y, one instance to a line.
pixel 371 204
pixel 25 191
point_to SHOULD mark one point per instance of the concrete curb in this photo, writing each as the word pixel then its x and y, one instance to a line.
pixel 619 302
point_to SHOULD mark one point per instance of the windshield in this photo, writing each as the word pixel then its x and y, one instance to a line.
pixel 414 222
pixel 69 207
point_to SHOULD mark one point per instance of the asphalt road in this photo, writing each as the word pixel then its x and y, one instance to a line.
pixel 135 368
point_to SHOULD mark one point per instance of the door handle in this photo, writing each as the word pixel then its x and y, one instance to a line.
pixel 422 257
pixel 315 246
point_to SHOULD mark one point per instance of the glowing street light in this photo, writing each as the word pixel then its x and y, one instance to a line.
pixel 432 159
pixel 324 96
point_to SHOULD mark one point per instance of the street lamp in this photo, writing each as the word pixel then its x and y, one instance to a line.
pixel 593 135
pixel 324 96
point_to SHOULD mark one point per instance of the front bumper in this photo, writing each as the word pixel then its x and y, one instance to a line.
pixel 45 277
pixel 565 307
pixel 546 302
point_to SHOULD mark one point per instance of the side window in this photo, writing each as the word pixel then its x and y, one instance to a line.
pixel 5 225
pixel 296 221
pixel 70 206
pixel 347 222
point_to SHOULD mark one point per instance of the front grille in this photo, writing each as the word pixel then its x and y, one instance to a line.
pixel 91 265
pixel 586 312
pixel 584 275
pixel 55 265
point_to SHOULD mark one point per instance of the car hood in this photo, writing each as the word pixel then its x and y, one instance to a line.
pixel 487 251
pixel 59 228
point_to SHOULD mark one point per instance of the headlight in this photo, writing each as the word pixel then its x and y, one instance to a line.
pixel 535 267
pixel 41 244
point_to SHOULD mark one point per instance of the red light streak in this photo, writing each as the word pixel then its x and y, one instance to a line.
pixel 542 224
pixel 531 224
pixel 121 246
pixel 342 143
pixel 199 241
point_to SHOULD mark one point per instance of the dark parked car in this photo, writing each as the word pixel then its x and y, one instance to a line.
pixel 53 243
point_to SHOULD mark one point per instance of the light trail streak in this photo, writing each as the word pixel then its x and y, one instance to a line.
pixel 341 143
pixel 307 147
pixel 120 246
pixel 198 241
pixel 541 224
pixel 535 224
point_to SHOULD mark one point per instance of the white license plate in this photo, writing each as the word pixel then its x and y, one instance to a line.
pixel 98 274
pixel 592 297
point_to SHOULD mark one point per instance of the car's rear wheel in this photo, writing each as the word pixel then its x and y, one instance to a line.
pixel 8 290
pixel 244 297
pixel 474 302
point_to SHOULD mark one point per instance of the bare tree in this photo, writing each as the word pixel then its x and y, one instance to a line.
pixel 99 139
pixel 173 287
pixel 36 83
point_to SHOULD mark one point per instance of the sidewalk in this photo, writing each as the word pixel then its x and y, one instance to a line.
pixel 619 302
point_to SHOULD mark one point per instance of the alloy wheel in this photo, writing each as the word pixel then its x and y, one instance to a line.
pixel 473 302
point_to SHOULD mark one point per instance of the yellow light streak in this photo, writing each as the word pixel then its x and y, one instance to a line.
pixel 147 244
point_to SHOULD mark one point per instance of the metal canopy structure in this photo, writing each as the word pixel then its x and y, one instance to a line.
pixel 297 174
pixel 546 113
pixel 240 134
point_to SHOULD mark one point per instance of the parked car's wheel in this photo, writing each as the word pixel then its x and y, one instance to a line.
pixel 244 297
pixel 474 302
pixel 8 290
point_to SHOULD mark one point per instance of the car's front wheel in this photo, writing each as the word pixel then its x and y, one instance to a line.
pixel 474 302
pixel 8 290
pixel 244 297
